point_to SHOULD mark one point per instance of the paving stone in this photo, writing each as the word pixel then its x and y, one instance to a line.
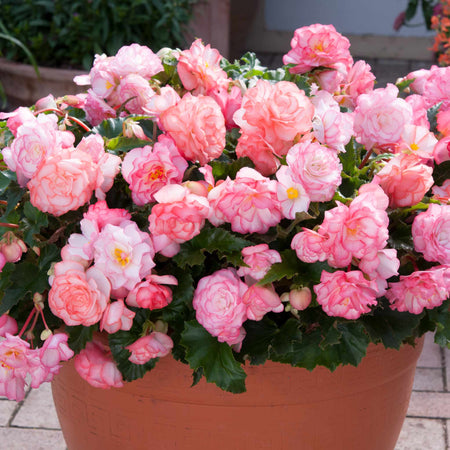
pixel 7 407
pixel 38 410
pixel 447 369
pixel 422 434
pixel 430 404
pixel 428 380
pixel 431 355
pixel 448 434
pixel 31 439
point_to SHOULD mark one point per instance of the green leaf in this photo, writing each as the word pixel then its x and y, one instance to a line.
pixel 432 115
pixel 229 168
pixel 441 317
pixel 124 144
pixel 130 371
pixel 350 159
pixel 79 336
pixel 210 240
pixel 258 340
pixel 49 253
pixel 289 266
pixel 390 327
pixel 216 358
pixel 33 222
pixel 110 128
pixel 12 297
pixel 6 176
pixel 411 9
pixel 403 84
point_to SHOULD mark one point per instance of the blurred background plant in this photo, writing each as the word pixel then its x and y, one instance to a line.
pixel 64 34
pixel 425 8
pixel 440 22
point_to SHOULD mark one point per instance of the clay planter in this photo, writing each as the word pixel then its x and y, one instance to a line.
pixel 23 87
pixel 283 408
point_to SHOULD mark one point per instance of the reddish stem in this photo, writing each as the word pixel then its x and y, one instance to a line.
pixel 8 225
pixel 366 158
pixel 57 111
pixel 43 319
pixel 25 325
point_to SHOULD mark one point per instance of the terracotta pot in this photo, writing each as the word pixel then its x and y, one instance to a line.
pixel 360 408
pixel 23 87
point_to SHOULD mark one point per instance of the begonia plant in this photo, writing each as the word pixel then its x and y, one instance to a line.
pixel 223 213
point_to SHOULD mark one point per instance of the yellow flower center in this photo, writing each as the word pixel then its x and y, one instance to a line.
pixel 414 147
pixel 155 174
pixel 346 301
pixel 109 85
pixel 292 193
pixel 121 257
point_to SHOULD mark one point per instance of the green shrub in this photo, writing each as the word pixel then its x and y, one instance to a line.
pixel 61 33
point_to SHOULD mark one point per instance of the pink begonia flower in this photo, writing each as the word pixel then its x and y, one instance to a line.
pixel 317 45
pixel 177 218
pixel 275 113
pixel 380 117
pixel 359 80
pixel 431 233
pixel 17 118
pixel 14 366
pixel 441 151
pixel 436 87
pixel 44 362
pixel 419 107
pixel 116 317
pixel 309 246
pixel 420 77
pixel 199 69
pixel 356 231
pixel 249 203
pixel 197 126
pixel 421 289
pixel 151 293
pixel 331 127
pixel 55 350
pixel 154 345
pixel 46 102
pixel 124 254
pixel 2 261
pixel 80 247
pixel 317 168
pixel 405 179
pixel 102 77
pixel 108 164
pixel 162 101
pixel 259 259
pixel 132 129
pixel 97 109
pixel 95 365
pixel 291 194
pixel 36 139
pixel 442 193
pixel 259 151
pixel 260 300
pixel 64 182
pixel 76 296
pixel 417 140
pixel 219 307
pixel 134 92
pixel 229 100
pixel 148 169
pixel 381 267
pixel 137 59
pixel 443 121
pixel 8 325
pixel 102 215
pixel 300 299
pixel 345 294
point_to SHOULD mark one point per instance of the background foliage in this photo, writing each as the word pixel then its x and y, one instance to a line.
pixel 61 33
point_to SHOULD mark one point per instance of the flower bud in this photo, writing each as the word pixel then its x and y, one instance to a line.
pixel 12 252
pixel 46 334
pixel 300 298
pixel 197 187
pixel 161 326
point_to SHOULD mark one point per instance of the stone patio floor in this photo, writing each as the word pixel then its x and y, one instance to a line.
pixel 33 424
